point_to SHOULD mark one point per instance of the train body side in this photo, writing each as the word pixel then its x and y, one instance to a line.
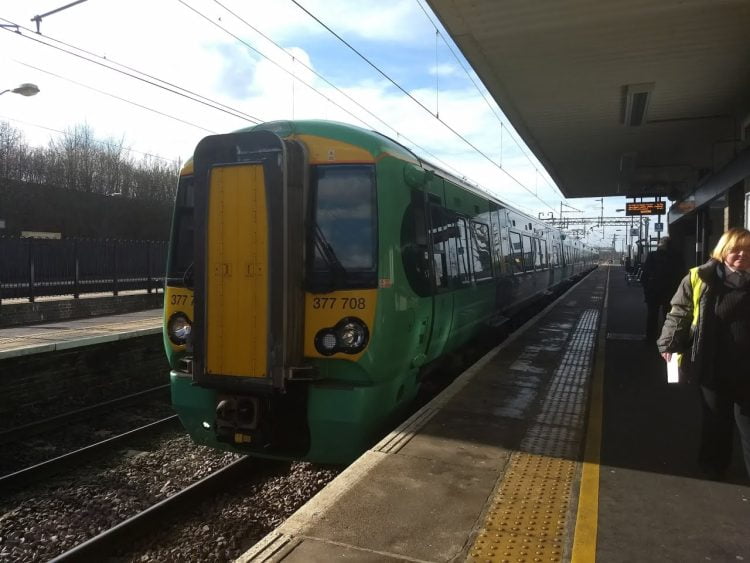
pixel 447 263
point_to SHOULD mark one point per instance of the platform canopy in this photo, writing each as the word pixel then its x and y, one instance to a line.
pixel 615 97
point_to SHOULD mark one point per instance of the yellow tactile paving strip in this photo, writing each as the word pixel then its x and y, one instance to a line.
pixel 526 521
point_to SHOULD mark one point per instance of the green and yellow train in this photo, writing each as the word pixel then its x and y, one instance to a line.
pixel 316 269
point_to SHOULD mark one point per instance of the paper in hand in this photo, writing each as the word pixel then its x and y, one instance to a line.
pixel 673 370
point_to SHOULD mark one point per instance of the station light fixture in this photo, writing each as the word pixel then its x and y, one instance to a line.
pixel 25 89
pixel 637 99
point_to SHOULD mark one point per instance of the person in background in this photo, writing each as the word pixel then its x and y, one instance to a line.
pixel 662 272
pixel 711 310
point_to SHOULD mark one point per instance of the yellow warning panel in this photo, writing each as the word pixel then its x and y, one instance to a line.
pixel 528 517
pixel 237 272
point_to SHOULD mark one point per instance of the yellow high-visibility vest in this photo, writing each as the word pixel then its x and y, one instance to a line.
pixel 697 285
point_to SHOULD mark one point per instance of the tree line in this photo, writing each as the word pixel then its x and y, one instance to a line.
pixel 78 161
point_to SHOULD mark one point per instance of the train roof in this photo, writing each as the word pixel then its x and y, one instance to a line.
pixel 375 143
pixel 372 141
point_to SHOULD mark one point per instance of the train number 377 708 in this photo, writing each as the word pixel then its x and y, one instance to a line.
pixel 340 303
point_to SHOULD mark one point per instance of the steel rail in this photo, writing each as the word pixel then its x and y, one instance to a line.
pixel 14 481
pixel 154 517
pixel 38 427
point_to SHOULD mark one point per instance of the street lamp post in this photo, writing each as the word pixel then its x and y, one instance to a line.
pixel 25 89
pixel 630 232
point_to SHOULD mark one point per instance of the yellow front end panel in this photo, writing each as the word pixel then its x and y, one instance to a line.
pixel 326 310
pixel 237 274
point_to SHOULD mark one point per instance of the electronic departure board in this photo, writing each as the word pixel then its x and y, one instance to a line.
pixel 646 208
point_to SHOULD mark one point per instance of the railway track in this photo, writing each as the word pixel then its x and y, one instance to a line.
pixel 14 481
pixel 116 538
pixel 24 431
pixel 161 493
pixel 32 444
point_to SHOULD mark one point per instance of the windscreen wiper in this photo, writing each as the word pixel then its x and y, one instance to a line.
pixel 327 252
pixel 187 277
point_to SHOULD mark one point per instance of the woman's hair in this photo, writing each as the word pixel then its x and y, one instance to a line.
pixel 733 238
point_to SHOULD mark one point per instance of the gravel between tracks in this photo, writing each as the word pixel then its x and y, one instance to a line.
pixel 226 527
pixel 45 521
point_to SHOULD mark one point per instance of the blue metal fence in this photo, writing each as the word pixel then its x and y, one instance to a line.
pixel 31 268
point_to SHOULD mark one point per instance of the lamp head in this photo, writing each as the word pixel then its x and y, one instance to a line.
pixel 26 89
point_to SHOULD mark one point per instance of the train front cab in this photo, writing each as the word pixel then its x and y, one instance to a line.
pixel 278 338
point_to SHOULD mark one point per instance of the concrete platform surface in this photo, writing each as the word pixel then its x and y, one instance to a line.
pixel 565 443
pixel 40 338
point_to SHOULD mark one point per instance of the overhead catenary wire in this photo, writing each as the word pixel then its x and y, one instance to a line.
pixel 116 97
pixel 231 111
pixel 319 75
pixel 457 172
pixel 132 73
pixel 104 62
pixel 416 101
pixel 480 89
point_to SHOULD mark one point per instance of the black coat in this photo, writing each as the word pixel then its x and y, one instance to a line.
pixel 662 272
pixel 699 342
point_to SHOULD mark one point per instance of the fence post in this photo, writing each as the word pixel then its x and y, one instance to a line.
pixel 114 280
pixel 31 270
pixel 148 265
pixel 76 274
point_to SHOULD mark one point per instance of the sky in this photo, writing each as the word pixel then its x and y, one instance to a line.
pixel 256 60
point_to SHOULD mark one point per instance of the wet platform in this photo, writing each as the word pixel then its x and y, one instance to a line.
pixel 50 337
pixel 565 443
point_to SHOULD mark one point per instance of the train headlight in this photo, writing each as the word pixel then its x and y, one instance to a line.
pixel 179 328
pixel 350 336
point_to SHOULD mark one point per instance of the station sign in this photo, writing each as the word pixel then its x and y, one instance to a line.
pixel 634 232
pixel 658 227
pixel 645 208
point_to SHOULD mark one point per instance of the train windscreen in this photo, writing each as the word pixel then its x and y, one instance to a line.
pixel 181 249
pixel 343 232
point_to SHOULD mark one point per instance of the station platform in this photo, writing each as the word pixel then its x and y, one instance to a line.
pixel 564 443
pixel 65 335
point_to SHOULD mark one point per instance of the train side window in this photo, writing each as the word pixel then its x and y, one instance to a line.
pixel 414 250
pixel 555 254
pixel 499 240
pixel 528 253
pixel 462 252
pixel 481 255
pixel 537 244
pixel 516 249
pixel 441 233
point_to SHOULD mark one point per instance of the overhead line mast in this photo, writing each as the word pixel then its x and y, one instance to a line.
pixel 38 19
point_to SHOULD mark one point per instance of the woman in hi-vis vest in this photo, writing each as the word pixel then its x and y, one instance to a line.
pixel 709 323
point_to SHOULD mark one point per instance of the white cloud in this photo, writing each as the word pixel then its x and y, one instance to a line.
pixel 445 69
pixel 169 41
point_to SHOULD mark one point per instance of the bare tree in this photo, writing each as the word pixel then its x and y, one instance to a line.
pixel 10 141
pixel 78 161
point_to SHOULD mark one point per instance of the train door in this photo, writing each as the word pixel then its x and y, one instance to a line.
pixel 441 259
pixel 248 260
